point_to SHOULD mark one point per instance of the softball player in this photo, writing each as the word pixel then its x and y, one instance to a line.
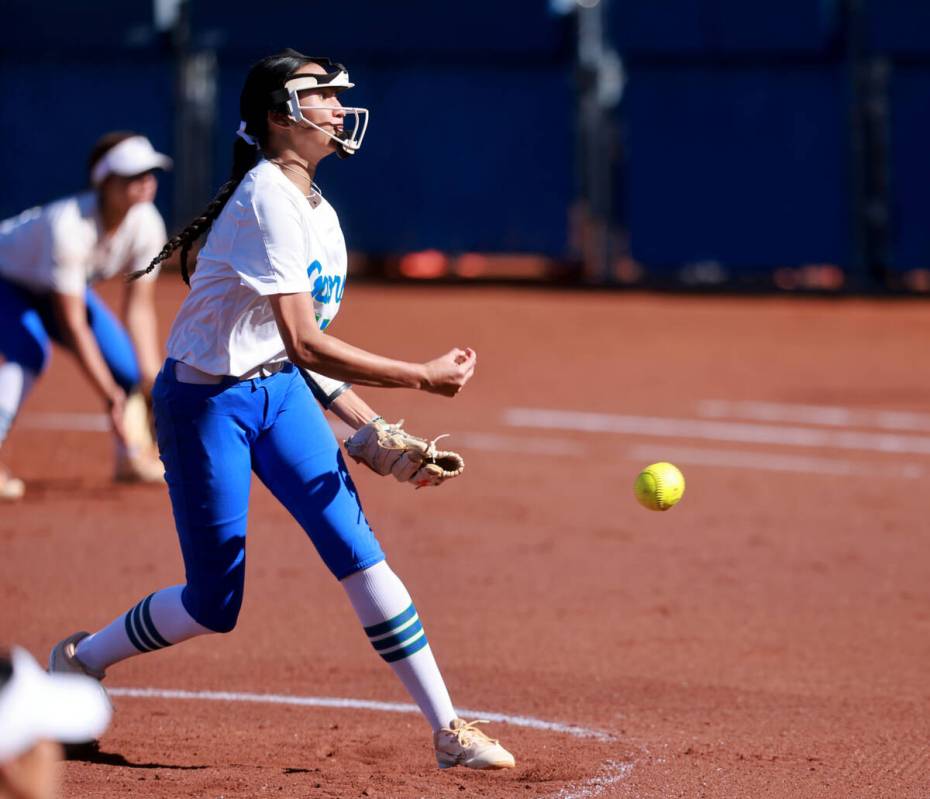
pixel 231 399
pixel 49 258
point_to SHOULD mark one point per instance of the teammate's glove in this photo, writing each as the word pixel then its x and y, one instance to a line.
pixel 389 449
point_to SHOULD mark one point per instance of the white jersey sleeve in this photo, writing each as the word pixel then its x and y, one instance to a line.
pixel 283 267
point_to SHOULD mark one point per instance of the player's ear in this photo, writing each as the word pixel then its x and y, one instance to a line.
pixel 278 120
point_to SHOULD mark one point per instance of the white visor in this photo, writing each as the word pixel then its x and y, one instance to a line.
pixel 35 706
pixel 132 156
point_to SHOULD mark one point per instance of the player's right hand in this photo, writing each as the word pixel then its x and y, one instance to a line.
pixel 448 374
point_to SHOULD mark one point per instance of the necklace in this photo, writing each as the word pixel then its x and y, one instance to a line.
pixel 313 196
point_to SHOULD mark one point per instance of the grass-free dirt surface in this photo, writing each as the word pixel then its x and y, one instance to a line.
pixel 769 637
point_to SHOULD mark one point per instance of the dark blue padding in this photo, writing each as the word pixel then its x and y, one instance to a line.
pixel 415 30
pixel 898 28
pixel 910 168
pixel 746 167
pixel 63 26
pixel 91 96
pixel 710 28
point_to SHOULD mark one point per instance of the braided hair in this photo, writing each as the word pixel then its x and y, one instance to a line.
pixel 265 77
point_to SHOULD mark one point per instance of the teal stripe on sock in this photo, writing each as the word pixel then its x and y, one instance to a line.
pixel 394 640
pixel 150 625
pixel 390 624
pixel 132 635
pixel 407 651
pixel 143 636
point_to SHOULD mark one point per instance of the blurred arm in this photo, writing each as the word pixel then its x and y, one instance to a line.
pixel 142 323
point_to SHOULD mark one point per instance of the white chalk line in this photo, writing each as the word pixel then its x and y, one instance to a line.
pixel 530 722
pixel 825 415
pixel 610 773
pixel 741 432
pixel 70 422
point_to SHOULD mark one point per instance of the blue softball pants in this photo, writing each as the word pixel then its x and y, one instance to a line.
pixel 211 438
pixel 29 325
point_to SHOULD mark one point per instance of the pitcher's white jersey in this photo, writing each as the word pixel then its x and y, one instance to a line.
pixel 268 239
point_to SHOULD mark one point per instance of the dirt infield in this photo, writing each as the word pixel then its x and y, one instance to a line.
pixel 769 637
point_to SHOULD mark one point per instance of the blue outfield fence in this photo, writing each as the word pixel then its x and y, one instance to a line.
pixel 715 28
pixel 739 133
pixel 909 174
pixel 55 108
pixel 736 128
pixel 470 147
pixel 744 167
pixel 424 32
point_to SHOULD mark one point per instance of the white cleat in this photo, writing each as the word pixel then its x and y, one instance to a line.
pixel 463 744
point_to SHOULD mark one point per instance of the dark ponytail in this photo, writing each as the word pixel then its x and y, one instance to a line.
pixel 265 77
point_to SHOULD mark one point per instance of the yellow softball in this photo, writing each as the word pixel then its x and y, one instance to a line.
pixel 659 486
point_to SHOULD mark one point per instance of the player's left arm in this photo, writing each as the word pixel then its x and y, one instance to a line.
pixel 339 397
pixel 353 410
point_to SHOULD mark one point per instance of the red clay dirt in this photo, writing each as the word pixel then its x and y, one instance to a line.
pixel 769 637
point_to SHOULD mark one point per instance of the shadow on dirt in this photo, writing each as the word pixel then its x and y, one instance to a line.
pixel 90 753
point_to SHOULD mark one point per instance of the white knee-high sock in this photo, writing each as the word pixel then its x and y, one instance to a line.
pixel 15 382
pixel 157 621
pixel 391 623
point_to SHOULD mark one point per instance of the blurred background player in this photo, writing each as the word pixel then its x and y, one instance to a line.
pixel 49 258
pixel 38 712
pixel 229 399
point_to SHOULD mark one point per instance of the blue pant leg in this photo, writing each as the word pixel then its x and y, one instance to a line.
pixel 24 338
pixel 204 435
pixel 298 458
pixel 114 342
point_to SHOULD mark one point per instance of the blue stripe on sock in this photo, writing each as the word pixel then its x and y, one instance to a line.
pixel 150 625
pixel 390 624
pixel 144 637
pixel 394 640
pixel 407 651
pixel 132 636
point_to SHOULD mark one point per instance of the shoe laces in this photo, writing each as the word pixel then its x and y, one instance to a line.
pixel 464 732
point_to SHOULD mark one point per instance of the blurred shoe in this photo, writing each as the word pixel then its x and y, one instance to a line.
pixel 138 467
pixel 463 744
pixel 11 488
pixel 63 659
